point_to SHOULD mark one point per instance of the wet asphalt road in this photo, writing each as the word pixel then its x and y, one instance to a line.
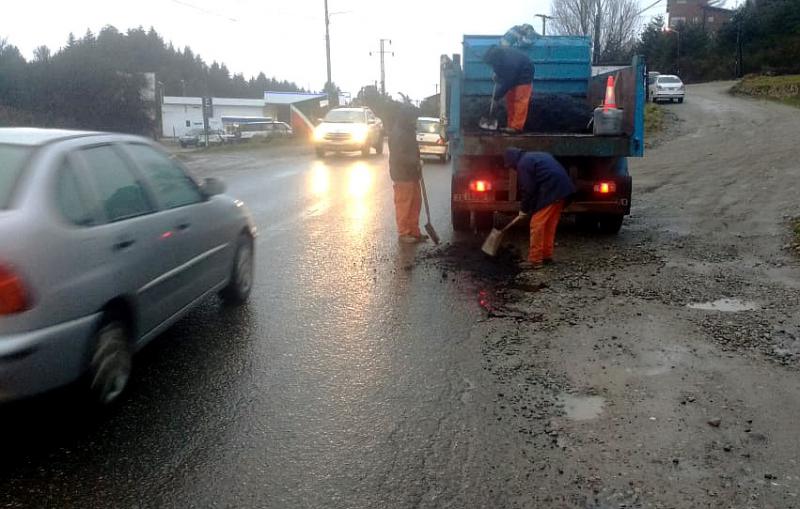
pixel 350 380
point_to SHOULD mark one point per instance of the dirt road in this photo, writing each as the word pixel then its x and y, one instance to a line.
pixel 659 368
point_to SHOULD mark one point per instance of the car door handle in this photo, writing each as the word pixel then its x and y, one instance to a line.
pixel 123 244
pixel 183 226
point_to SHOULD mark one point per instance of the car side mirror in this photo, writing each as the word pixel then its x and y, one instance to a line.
pixel 213 186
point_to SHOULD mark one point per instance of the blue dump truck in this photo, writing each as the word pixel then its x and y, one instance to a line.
pixel 597 165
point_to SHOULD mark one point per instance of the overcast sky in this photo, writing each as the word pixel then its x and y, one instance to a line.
pixel 286 39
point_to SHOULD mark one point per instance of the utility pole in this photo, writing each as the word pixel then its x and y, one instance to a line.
pixel 383 52
pixel 544 17
pixel 328 51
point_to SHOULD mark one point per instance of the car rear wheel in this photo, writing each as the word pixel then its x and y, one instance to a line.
pixel 111 362
pixel 379 147
pixel 241 283
pixel 680 100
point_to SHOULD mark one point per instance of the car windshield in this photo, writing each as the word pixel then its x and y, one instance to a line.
pixel 428 126
pixel 12 161
pixel 345 116
pixel 669 79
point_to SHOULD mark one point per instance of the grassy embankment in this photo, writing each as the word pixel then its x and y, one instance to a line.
pixel 784 89
pixel 653 118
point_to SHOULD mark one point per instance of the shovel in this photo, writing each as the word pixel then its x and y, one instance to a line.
pixel 489 123
pixel 492 243
pixel 428 226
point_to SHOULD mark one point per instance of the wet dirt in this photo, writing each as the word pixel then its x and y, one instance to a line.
pixel 614 388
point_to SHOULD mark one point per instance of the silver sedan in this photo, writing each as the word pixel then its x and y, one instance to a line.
pixel 106 241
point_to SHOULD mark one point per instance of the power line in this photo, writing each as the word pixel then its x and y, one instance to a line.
pixel 204 11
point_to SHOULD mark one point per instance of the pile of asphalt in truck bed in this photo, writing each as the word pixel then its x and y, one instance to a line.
pixel 547 113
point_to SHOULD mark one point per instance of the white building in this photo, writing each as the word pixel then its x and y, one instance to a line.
pixel 180 114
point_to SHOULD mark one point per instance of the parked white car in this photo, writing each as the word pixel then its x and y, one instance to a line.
pixel 431 138
pixel 667 87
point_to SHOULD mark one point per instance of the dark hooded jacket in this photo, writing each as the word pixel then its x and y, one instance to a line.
pixel 404 164
pixel 512 67
pixel 543 181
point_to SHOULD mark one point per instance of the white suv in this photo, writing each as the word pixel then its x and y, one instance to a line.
pixel 349 130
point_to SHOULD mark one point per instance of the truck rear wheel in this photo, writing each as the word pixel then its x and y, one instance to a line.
pixel 610 224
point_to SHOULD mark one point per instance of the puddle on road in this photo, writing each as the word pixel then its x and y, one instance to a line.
pixel 582 408
pixel 725 305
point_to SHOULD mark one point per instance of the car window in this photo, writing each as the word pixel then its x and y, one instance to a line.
pixel 428 126
pixel 12 161
pixel 121 195
pixel 345 116
pixel 170 183
pixel 72 198
pixel 668 79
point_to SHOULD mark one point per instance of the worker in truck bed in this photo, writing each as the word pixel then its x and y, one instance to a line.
pixel 545 186
pixel 514 76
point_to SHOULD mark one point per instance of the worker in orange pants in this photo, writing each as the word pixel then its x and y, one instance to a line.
pixel 407 204
pixel 545 186
pixel 405 169
pixel 513 74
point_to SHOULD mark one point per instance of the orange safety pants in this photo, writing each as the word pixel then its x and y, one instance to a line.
pixel 517 101
pixel 407 203
pixel 543 232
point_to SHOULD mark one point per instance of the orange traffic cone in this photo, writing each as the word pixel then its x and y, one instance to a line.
pixel 610 101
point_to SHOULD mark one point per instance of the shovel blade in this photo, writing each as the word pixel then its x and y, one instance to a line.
pixel 492 243
pixel 432 233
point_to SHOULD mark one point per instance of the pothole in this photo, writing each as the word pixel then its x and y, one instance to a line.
pixel 581 408
pixel 725 305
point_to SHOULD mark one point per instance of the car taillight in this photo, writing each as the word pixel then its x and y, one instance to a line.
pixel 13 297
pixel 605 187
pixel 440 141
pixel 480 186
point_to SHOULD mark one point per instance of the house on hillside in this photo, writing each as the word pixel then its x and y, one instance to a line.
pixel 698 12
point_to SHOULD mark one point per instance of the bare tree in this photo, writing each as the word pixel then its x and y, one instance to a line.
pixel 41 54
pixel 612 24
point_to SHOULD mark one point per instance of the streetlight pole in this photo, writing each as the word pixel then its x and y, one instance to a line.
pixel 328 50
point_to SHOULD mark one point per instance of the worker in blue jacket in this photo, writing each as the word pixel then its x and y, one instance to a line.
pixel 545 186
pixel 514 76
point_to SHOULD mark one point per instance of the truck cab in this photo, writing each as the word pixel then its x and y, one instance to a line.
pixel 481 185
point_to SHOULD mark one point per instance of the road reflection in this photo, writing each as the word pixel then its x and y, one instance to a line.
pixel 320 179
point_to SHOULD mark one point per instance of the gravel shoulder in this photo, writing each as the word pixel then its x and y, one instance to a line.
pixel 659 368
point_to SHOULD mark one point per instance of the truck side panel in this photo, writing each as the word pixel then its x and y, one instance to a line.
pixel 562 65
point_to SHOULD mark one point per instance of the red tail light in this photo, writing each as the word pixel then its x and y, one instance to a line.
pixel 480 186
pixel 13 297
pixel 605 187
